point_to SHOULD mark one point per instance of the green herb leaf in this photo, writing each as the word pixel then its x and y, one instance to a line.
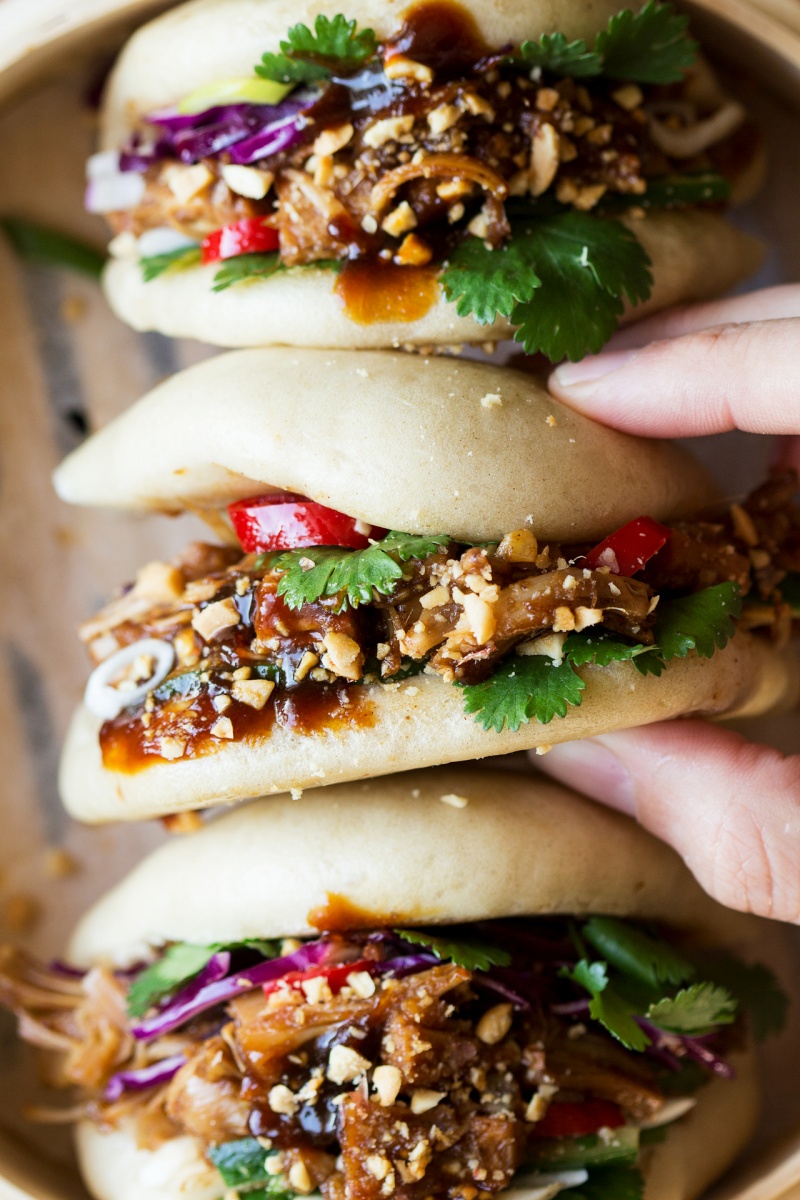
pixel 600 648
pixel 356 574
pixel 242 1165
pixel 790 591
pixel 677 191
pixel 46 247
pixel 173 260
pixel 650 663
pixel 651 46
pixel 307 57
pixel 176 966
pixel 694 1010
pixel 613 1011
pixel 555 54
pixel 472 953
pixel 244 268
pixel 487 284
pixel 648 960
pixel 523 688
pixel 756 989
pixel 703 622
pixel 614 1182
pixel 560 278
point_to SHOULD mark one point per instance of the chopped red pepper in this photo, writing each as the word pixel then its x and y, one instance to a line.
pixel 628 549
pixel 577 1120
pixel 335 976
pixel 285 521
pixel 248 236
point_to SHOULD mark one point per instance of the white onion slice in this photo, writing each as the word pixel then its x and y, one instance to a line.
pixel 102 164
pixel 114 193
pixel 162 241
pixel 671 1110
pixel 686 143
pixel 106 701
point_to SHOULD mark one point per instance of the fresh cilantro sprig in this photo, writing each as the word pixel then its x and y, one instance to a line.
pixel 562 279
pixel 695 1010
pixel 473 953
pixel 243 1167
pixel 178 965
pixel 246 267
pixel 648 960
pixel 649 46
pixel 309 57
pixel 522 689
pixel 756 989
pixel 354 575
pixel 700 623
pixel 173 260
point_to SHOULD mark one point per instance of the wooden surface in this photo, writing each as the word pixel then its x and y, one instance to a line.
pixel 62 354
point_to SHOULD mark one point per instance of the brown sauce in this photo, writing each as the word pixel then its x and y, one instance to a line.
pixel 373 291
pixel 338 915
pixel 441 35
pixel 127 746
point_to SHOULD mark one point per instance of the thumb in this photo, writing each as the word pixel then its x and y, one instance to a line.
pixel 731 808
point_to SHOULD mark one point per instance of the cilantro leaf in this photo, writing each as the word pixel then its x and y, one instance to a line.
pixel 613 1011
pixel 650 663
pixel 307 57
pixel 242 1165
pixel 354 573
pixel 472 953
pixel 600 648
pixel 561 278
pixel 49 248
pixel 523 688
pixel 703 622
pixel 173 260
pixel 488 283
pixel 554 53
pixel 176 966
pixel 756 989
pixel 694 1010
pixel 651 46
pixel 614 1182
pixel 647 960
pixel 790 592
pixel 245 267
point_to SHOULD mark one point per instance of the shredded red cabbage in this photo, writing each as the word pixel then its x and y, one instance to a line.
pixel 407 964
pixel 135 1081
pixel 249 131
pixel 192 1001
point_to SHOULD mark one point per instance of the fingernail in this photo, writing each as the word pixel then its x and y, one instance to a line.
pixel 591 768
pixel 591 369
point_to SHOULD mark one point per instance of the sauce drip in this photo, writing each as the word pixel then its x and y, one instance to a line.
pixel 338 915
pixel 373 291
pixel 441 35
pixel 127 747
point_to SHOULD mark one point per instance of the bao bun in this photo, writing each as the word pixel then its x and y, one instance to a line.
pixel 424 446
pixel 393 848
pixel 695 255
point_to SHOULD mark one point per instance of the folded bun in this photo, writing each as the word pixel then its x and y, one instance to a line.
pixel 423 445
pixel 415 724
pixel 696 1150
pixel 695 256
pixel 198 43
pixel 392 851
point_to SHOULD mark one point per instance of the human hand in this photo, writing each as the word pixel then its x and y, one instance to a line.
pixel 730 807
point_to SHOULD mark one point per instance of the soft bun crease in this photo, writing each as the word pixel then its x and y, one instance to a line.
pixel 695 256
pixel 422 445
pixel 416 724
pixel 394 852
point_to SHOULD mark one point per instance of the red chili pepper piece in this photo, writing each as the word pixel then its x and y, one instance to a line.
pixel 335 976
pixel 285 521
pixel 248 236
pixel 576 1120
pixel 629 549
